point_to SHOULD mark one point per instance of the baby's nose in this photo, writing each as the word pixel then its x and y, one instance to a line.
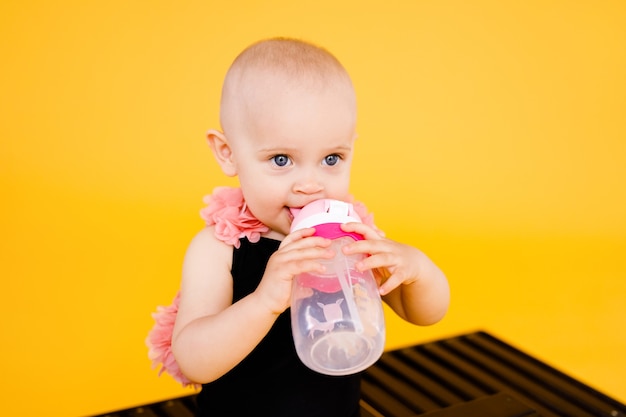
pixel 308 185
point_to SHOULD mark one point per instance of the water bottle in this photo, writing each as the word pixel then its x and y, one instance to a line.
pixel 336 317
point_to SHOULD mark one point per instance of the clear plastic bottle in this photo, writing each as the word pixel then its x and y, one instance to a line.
pixel 337 317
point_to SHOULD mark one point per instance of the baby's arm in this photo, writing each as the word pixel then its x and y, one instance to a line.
pixel 211 334
pixel 410 283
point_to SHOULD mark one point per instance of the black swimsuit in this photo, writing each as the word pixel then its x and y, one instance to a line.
pixel 271 381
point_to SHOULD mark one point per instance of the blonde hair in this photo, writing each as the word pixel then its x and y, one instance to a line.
pixel 292 62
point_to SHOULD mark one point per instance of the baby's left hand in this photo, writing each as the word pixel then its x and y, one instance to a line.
pixel 397 262
pixel 412 285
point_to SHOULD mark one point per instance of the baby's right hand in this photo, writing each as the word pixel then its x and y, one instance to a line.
pixel 298 253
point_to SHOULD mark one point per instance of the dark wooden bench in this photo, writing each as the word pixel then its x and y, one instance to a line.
pixel 472 375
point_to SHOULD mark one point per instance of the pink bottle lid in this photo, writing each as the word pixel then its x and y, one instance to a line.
pixel 326 216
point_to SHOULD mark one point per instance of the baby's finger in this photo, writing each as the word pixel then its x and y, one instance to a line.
pixel 390 284
pixel 369 247
pixel 364 230
pixel 297 235
pixel 379 260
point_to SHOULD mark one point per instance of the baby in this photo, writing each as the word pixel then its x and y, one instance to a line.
pixel 288 131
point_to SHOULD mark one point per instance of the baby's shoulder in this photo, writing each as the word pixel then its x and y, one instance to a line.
pixel 207 249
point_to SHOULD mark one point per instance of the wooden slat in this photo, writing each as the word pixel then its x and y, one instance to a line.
pixel 417 361
pixel 514 381
pixel 567 387
pixel 497 405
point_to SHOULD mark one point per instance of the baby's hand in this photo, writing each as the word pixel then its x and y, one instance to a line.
pixel 393 263
pixel 298 253
pixel 413 286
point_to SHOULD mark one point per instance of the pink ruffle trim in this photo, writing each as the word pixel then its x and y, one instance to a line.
pixel 159 342
pixel 233 220
pixel 228 211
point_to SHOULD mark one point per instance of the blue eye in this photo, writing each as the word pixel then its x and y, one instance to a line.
pixel 331 159
pixel 281 160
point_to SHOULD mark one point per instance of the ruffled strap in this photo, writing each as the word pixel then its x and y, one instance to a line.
pixel 228 211
pixel 233 220
pixel 159 342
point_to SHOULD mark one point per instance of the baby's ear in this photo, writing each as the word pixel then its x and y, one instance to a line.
pixel 222 151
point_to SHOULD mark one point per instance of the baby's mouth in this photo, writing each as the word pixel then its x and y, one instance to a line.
pixel 294 211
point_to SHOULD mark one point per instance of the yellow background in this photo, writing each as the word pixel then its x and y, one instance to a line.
pixel 492 136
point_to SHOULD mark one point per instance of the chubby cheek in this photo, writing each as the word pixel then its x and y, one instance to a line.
pixel 281 223
pixel 339 185
pixel 268 208
pixel 258 192
pixel 340 190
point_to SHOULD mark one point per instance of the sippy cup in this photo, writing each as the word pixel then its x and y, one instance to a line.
pixel 336 317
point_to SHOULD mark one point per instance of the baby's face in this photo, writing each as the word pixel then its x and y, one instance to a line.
pixel 296 147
